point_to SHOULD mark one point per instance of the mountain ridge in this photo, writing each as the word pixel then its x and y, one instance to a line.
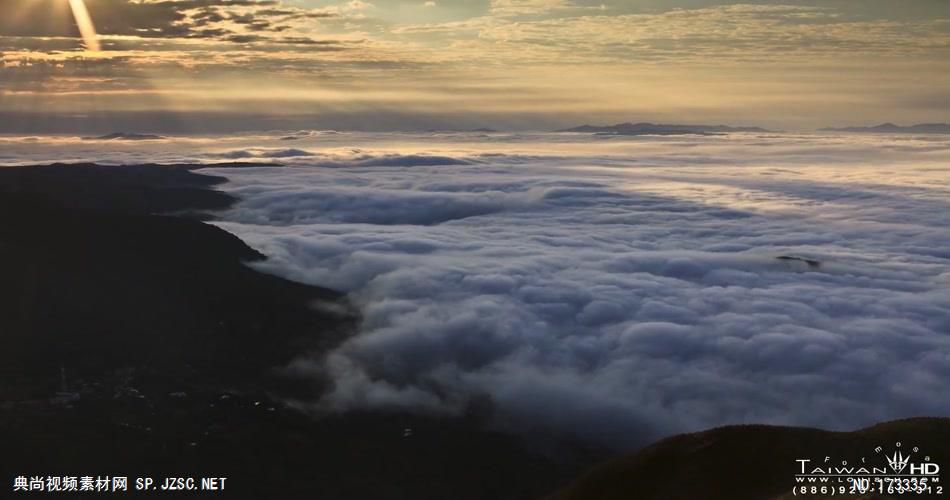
pixel 891 128
pixel 646 128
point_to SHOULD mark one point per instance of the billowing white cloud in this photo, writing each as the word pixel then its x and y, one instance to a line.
pixel 617 290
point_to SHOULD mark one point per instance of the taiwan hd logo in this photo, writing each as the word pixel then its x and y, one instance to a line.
pixel 900 461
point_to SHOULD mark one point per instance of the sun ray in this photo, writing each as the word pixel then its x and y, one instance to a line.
pixel 84 22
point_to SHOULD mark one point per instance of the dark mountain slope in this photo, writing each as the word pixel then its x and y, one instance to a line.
pixel 753 462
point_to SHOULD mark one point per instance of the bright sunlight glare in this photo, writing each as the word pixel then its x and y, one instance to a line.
pixel 84 22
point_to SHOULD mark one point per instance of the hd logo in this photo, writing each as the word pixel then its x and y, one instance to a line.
pixel 898 462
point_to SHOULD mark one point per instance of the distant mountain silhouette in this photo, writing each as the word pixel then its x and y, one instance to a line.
pixel 660 129
pixel 124 136
pixel 753 462
pixel 890 128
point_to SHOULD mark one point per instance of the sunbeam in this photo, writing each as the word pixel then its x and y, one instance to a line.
pixel 84 22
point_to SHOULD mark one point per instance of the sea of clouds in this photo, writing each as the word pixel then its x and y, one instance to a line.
pixel 613 289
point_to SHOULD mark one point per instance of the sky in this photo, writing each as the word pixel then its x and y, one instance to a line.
pixel 224 65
